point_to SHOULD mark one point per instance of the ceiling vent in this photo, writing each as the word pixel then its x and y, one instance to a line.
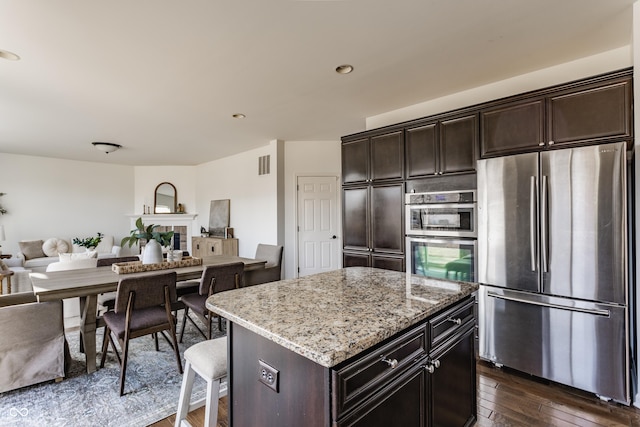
pixel 264 165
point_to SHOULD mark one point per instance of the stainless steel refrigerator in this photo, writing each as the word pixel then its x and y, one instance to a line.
pixel 552 261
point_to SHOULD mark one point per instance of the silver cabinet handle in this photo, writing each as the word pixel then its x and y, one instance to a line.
pixel 550 142
pixel 541 144
pixel 457 321
pixel 432 366
pixel 391 362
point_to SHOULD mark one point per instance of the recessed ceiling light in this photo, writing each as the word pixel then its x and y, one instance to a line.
pixel 344 69
pixel 9 55
pixel 239 116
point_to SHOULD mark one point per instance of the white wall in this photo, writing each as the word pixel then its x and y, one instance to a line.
pixel 147 179
pixel 306 158
pixel 585 67
pixel 62 198
pixel 254 206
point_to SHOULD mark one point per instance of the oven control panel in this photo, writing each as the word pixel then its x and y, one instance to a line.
pixel 440 197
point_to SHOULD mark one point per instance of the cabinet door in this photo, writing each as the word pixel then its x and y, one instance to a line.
pixel 355 223
pixel 401 403
pixel 197 247
pixel 592 114
pixel 387 156
pixel 388 262
pixel 421 155
pixel 355 161
pixel 452 389
pixel 387 219
pixel 512 128
pixel 458 141
pixel 355 259
pixel 214 247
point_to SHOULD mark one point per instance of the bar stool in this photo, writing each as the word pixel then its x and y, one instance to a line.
pixel 209 360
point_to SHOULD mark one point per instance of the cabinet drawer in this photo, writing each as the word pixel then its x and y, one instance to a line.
pixel 447 323
pixel 360 379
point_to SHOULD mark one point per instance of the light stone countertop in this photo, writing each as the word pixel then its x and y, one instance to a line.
pixel 330 317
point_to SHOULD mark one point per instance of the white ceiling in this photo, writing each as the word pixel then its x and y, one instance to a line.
pixel 163 77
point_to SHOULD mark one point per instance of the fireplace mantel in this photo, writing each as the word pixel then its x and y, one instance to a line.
pixel 169 220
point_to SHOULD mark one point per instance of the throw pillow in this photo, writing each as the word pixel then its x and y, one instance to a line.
pixel 32 249
pixel 68 257
pixel 54 247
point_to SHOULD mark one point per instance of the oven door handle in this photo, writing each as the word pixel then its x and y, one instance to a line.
pixel 472 242
pixel 443 205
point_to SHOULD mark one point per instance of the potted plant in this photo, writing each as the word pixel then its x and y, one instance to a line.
pixel 155 241
pixel 88 242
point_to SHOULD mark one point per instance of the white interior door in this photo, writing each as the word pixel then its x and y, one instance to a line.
pixel 318 242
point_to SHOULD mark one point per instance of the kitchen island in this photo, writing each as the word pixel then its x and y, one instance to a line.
pixel 356 346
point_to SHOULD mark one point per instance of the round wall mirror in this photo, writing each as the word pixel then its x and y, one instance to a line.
pixel 165 198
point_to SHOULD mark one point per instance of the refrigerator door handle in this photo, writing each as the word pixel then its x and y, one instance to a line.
pixel 532 221
pixel 594 311
pixel 544 226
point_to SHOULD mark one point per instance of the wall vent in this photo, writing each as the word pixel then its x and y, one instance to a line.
pixel 264 165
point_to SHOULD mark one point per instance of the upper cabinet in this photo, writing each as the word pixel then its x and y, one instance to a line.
pixel 378 157
pixel 458 141
pixel 512 127
pixel 355 161
pixel 442 146
pixel 587 112
pixel 598 112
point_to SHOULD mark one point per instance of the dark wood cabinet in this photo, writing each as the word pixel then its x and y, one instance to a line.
pixel 387 218
pixel 452 400
pixel 586 112
pixel 400 404
pixel 458 142
pixel 388 262
pixel 443 146
pixel 355 221
pixel 422 385
pixel 394 383
pixel 363 259
pixel 387 156
pixel 512 128
pixel 378 157
pixel 421 150
pixel 355 161
pixel 373 226
pixel 595 113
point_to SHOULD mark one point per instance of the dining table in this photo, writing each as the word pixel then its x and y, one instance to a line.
pixel 88 283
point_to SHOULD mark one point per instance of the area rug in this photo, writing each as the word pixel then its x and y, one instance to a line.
pixel 152 388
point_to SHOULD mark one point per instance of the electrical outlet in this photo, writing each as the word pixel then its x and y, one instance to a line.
pixel 268 375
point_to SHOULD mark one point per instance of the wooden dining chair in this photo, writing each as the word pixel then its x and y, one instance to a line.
pixel 215 278
pixel 142 307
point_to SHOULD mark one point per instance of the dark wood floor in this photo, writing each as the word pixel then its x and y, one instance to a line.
pixel 509 398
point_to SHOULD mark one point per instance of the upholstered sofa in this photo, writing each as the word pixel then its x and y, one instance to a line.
pixel 33 348
pixel 36 255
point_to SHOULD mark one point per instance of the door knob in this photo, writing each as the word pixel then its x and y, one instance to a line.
pixel 334 237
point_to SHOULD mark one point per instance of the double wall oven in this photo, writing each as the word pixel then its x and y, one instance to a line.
pixel 441 232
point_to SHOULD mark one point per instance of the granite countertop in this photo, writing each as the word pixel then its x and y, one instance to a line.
pixel 330 317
